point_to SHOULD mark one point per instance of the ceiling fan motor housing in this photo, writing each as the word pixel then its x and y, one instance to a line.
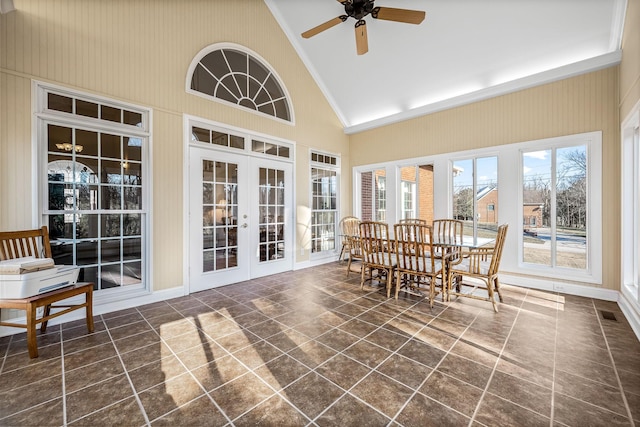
pixel 358 9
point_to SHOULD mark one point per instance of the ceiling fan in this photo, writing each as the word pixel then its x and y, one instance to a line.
pixel 358 9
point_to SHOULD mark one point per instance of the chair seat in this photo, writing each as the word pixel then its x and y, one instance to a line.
pixel 481 268
pixel 419 264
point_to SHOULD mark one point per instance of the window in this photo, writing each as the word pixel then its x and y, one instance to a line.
pixel 94 152
pixel 475 195
pixel 555 191
pixel 230 74
pixel 324 209
pixel 381 197
pixel 408 199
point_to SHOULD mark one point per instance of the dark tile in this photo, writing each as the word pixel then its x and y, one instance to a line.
pixel 89 356
pixel 237 340
pixel 85 376
pixel 199 412
pixel 451 392
pixel 125 412
pixel 186 341
pixel 574 412
pixel 97 396
pixel 383 393
pixel 337 339
pixel 403 325
pixel 420 352
pixel 496 411
pixel 358 328
pixel 288 340
pixel 19 399
pixel 156 373
pixel 85 342
pixel 49 413
pixel 633 400
pixel 312 354
pixel 465 370
pixel 241 394
pixel 281 372
pixel 165 329
pixel 258 354
pixel 135 358
pixel 590 391
pixel 387 339
pixel 130 329
pixel 169 395
pixel 349 411
pixel 267 328
pixel 165 320
pixel 275 411
pixel 22 360
pixel 30 374
pixel 423 411
pixel 343 371
pixel 530 371
pixel 475 352
pixel 115 322
pixel 219 371
pixel 441 340
pixel 406 371
pixel 604 374
pixel 367 354
pixel 137 341
pixel 521 392
pixel 312 393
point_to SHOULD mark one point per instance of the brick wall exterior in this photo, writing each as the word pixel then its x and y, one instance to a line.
pixel 485 214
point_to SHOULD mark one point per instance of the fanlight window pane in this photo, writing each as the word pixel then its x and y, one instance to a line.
pixel 237 77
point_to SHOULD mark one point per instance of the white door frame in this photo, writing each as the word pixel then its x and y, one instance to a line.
pixel 188 122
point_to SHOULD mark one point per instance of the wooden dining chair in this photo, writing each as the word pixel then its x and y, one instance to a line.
pixel 412 221
pixel 415 263
pixel 478 269
pixel 349 226
pixel 377 254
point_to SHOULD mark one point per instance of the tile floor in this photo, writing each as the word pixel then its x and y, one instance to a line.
pixel 311 348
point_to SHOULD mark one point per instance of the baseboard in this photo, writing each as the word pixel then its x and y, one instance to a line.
pixel 562 288
pixel 101 308
pixel 631 311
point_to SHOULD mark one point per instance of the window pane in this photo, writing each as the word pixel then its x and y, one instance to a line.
pixel 536 198
pixel 571 207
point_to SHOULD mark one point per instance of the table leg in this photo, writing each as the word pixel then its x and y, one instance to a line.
pixel 31 330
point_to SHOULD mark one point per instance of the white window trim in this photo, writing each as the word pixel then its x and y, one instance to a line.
pixel 509 198
pixel 39 164
pixel 630 209
pixel 226 45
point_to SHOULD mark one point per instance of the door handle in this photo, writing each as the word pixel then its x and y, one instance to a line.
pixel 244 225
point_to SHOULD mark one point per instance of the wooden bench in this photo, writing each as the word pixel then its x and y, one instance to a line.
pixel 17 244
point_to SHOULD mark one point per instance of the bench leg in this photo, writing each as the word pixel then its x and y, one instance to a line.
pixel 31 330
pixel 47 311
pixel 89 314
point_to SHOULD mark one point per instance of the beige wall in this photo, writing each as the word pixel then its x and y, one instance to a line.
pixel 580 104
pixel 630 66
pixel 139 52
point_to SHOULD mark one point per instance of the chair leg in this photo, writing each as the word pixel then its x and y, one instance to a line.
pixel 362 277
pixel 491 296
pixel 349 266
pixel 497 285
pixel 89 311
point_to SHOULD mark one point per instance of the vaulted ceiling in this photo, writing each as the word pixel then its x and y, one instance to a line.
pixel 464 51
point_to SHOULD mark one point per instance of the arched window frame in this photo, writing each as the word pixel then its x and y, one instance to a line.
pixel 256 57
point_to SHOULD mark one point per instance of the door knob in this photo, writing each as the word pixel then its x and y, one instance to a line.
pixel 244 225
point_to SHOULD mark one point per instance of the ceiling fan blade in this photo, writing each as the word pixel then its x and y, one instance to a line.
pixel 399 15
pixel 362 42
pixel 320 28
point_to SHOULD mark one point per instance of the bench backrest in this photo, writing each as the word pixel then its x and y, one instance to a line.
pixel 19 244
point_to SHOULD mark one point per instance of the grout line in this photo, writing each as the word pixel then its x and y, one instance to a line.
pixel 615 370
pixel 495 366
pixel 6 354
pixel 124 368
pixel 64 382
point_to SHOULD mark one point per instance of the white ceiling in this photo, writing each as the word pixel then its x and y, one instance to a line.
pixel 464 51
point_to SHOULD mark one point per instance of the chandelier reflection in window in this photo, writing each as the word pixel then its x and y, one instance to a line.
pixel 66 146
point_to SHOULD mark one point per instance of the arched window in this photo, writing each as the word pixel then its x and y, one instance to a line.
pixel 235 75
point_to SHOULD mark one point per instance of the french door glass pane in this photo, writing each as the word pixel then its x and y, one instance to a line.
pixel 271 187
pixel 219 215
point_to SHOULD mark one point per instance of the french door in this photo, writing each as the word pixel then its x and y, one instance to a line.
pixel 240 221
